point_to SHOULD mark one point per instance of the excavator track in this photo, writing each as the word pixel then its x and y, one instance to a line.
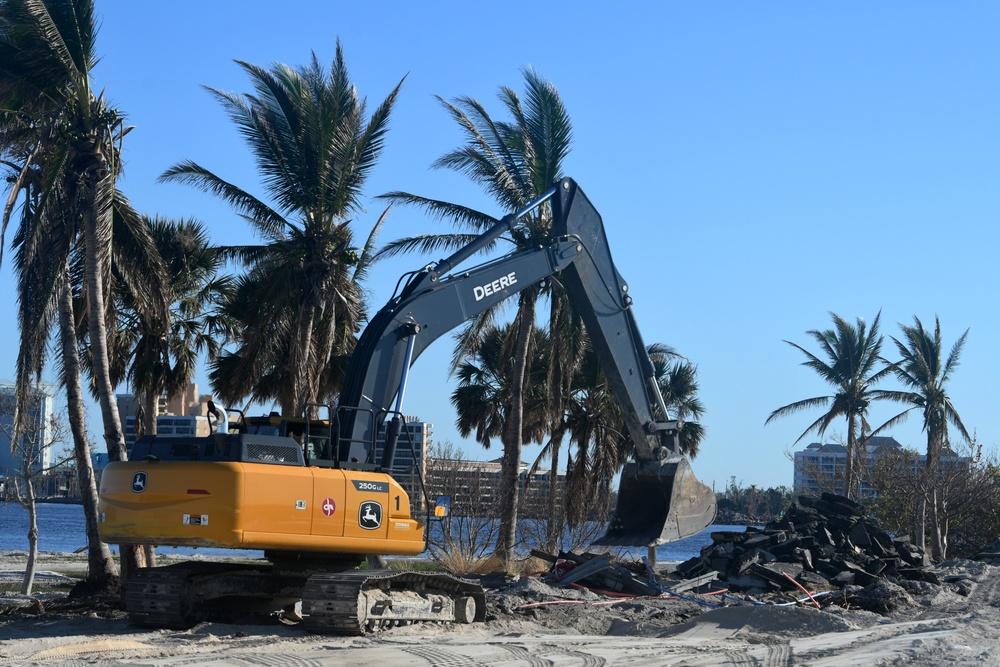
pixel 158 597
pixel 178 596
pixel 348 602
pixel 364 601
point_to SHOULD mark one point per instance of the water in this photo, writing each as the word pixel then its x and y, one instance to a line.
pixel 62 528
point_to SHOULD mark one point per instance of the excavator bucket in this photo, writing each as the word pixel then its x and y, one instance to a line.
pixel 659 502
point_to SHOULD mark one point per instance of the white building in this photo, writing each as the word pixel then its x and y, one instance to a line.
pixel 38 433
pixel 822 467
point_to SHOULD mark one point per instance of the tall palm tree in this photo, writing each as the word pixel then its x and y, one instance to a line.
pixel 65 144
pixel 515 162
pixel 48 55
pixel 851 354
pixel 925 373
pixel 299 301
pixel 37 270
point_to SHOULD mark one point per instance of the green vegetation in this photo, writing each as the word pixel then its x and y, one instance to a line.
pixel 852 353
pixel 750 505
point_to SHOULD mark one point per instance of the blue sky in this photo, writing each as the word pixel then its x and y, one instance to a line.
pixel 757 166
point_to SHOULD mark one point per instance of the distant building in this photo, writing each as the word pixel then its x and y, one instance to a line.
pixel 473 486
pixel 39 419
pixel 410 461
pixel 185 413
pixel 822 467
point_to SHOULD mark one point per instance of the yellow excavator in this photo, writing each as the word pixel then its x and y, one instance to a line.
pixel 318 496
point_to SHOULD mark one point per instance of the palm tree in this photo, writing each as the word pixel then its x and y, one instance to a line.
pixel 851 353
pixel 925 374
pixel 597 427
pixel 599 442
pixel 62 144
pixel 161 346
pixel 678 382
pixel 567 347
pixel 48 55
pixel 299 302
pixel 515 162
pixel 484 384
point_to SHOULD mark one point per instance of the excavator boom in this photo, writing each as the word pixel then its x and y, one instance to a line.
pixel 659 498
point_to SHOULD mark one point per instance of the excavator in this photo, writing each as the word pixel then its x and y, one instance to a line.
pixel 318 495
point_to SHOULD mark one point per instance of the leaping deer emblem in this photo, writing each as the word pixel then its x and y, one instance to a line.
pixel 370 515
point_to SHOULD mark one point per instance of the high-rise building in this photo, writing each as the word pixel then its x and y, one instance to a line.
pixel 35 441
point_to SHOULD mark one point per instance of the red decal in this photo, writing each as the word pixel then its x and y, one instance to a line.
pixel 329 507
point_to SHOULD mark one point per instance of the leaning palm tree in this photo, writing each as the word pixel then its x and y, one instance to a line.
pixel 299 302
pixel 925 372
pixel 45 300
pixel 514 162
pixel 851 354
pixel 62 144
pixel 47 55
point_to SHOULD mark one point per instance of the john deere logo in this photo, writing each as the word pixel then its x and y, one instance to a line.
pixel 138 482
pixel 370 515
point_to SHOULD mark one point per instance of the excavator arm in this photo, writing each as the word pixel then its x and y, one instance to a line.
pixel 659 499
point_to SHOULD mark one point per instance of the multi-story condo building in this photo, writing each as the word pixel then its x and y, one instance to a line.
pixel 35 441
pixel 822 467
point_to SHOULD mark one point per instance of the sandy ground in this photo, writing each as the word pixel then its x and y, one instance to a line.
pixel 532 623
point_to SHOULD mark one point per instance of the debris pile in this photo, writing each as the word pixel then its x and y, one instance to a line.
pixel 818 543
pixel 597 571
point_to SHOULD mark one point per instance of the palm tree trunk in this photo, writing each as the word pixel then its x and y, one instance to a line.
pixel 852 460
pixel 922 521
pixel 934 440
pixel 150 408
pixel 101 569
pixel 94 267
pixel 510 468
pixel 938 547
pixel 131 555
pixel 301 371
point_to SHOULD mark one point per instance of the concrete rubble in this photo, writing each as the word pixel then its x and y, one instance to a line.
pixel 819 543
pixel 825 543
